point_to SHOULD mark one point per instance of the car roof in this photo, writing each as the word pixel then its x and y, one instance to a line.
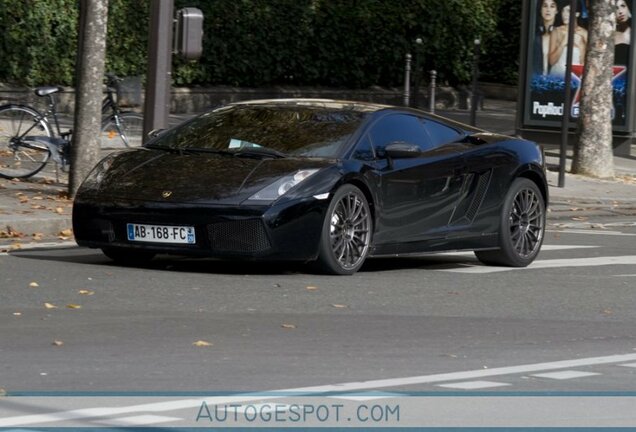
pixel 358 106
pixel 318 103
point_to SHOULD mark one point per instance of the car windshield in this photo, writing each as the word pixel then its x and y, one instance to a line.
pixel 266 130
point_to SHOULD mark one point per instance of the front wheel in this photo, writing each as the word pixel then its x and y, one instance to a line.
pixel 21 154
pixel 346 232
pixel 122 130
pixel 522 226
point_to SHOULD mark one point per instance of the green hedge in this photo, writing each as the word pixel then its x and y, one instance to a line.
pixel 342 43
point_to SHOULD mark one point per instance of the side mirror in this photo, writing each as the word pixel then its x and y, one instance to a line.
pixel 402 150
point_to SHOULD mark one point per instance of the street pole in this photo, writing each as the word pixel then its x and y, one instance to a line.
pixel 432 94
pixel 157 103
pixel 407 80
pixel 473 104
pixel 567 105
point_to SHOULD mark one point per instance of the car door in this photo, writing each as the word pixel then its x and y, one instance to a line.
pixel 417 195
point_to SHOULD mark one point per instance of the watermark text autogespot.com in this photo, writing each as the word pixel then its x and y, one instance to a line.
pixel 276 413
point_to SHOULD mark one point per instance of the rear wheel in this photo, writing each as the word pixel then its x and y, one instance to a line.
pixel 128 257
pixel 122 130
pixel 346 232
pixel 21 155
pixel 522 226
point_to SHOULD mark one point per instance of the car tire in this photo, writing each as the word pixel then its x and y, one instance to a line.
pixel 522 226
pixel 346 232
pixel 128 257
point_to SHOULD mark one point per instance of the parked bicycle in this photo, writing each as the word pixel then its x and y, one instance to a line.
pixel 28 139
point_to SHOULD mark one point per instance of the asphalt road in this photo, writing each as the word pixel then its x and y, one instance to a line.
pixel 72 321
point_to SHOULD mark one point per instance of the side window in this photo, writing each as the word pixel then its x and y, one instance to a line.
pixel 363 150
pixel 399 127
pixel 440 133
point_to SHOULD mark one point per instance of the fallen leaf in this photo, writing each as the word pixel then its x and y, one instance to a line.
pixel 607 311
pixel 50 306
pixel 288 326
pixel 86 292
pixel 34 285
pixel 23 200
pixel 16 246
pixel 580 218
pixel 202 343
pixel 38 198
pixel 73 306
pixel 311 288
pixel 340 306
pixel 59 210
pixel 66 233
pixel 17 313
pixel 57 343
pixel 38 236
pixel 38 207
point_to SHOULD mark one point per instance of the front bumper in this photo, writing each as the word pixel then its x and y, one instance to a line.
pixel 288 231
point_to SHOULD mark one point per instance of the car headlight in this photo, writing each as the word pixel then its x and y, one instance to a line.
pixel 281 186
pixel 94 178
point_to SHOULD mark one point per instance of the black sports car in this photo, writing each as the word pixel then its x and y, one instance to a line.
pixel 317 180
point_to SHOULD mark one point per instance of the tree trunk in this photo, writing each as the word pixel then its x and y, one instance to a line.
pixel 85 152
pixel 593 154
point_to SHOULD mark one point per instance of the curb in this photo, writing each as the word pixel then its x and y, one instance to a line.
pixel 28 226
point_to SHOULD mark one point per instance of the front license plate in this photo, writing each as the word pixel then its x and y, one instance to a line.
pixel 161 234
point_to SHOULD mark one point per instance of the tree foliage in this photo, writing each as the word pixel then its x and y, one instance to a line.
pixel 342 43
pixel 500 62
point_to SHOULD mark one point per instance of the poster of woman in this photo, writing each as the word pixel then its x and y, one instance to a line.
pixel 548 48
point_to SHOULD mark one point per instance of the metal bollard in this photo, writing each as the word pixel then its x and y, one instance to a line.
pixel 432 91
pixel 407 80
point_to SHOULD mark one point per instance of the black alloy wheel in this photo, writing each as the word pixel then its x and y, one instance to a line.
pixel 346 232
pixel 522 226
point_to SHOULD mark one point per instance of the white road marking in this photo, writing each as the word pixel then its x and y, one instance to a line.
pixel 51 417
pixel 473 385
pixel 369 397
pixel 590 231
pixel 545 247
pixel 632 365
pixel 625 275
pixel 141 420
pixel 565 375
pixel 343 387
pixel 555 263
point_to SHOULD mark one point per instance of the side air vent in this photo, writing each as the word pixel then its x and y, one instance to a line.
pixel 478 197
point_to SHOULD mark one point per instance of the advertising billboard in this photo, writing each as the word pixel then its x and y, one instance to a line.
pixel 546 61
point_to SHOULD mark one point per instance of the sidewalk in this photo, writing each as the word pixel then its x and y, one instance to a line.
pixel 37 209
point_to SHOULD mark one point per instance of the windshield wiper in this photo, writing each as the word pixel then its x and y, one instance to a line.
pixel 257 152
pixel 260 152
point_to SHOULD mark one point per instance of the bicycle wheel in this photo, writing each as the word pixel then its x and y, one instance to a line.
pixel 21 155
pixel 122 130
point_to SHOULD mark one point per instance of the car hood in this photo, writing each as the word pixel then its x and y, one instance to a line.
pixel 155 175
